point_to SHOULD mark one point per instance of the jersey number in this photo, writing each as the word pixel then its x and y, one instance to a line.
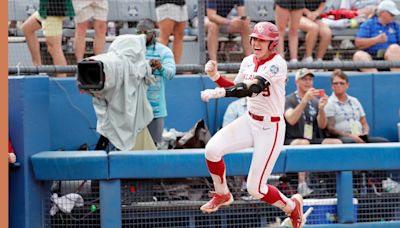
pixel 266 92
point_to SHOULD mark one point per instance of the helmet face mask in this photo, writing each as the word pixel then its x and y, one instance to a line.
pixel 268 32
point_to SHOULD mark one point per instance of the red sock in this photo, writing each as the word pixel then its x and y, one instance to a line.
pixel 272 195
pixel 217 168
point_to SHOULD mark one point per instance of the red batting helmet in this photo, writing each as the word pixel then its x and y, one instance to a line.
pixel 266 31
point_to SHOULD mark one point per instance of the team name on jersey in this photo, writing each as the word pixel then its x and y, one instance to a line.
pixel 248 76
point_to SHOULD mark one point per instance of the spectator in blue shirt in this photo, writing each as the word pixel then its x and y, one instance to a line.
pixel 379 37
pixel 163 65
pixel 234 110
pixel 219 20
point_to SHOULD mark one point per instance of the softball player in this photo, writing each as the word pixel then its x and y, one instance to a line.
pixel 261 78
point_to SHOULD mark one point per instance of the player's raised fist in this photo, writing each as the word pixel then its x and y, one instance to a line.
pixel 211 70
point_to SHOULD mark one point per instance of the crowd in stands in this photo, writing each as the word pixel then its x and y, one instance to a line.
pixel 375 20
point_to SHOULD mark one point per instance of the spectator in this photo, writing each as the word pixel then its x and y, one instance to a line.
pixel 86 10
pixel 11 155
pixel 49 17
pixel 163 65
pixel 379 37
pixel 172 17
pixel 286 10
pixel 218 20
pixel 346 116
pixel 314 27
pixel 348 13
pixel 234 110
pixel 305 118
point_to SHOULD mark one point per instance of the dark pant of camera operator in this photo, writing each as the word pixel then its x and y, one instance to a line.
pixel 163 67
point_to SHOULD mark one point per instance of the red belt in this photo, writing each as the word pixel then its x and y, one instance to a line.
pixel 261 118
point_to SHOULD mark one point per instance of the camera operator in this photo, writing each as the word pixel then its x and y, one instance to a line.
pixel 118 82
pixel 162 62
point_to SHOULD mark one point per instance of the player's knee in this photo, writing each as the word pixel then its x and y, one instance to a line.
pixel 212 152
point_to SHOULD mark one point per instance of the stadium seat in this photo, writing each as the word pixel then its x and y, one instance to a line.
pixel 260 10
pixel 131 10
pixel 18 45
pixel 192 8
pixel 20 10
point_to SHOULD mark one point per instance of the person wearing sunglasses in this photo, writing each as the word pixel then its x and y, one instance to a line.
pixel 346 116
pixel 162 62
pixel 306 119
pixel 379 37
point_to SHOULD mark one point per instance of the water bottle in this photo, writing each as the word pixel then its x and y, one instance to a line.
pixel 111 28
pixel 364 184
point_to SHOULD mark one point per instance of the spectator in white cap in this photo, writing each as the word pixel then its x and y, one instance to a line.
pixel 379 37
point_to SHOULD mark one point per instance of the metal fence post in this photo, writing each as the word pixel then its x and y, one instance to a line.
pixel 344 189
pixel 110 203
pixel 201 36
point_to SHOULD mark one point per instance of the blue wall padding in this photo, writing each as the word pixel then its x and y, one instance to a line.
pixel 386 96
pixel 344 157
pixel 191 162
pixel 157 164
pixel 184 105
pixel 177 163
pixel 70 165
pixel 73 120
pixel 29 133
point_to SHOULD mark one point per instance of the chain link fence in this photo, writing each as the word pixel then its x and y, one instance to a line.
pixel 176 202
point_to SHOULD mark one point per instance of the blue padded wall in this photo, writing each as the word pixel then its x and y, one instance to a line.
pixel 184 105
pixel 72 118
pixel 29 133
pixel 386 102
pixel 361 87
pixel 178 163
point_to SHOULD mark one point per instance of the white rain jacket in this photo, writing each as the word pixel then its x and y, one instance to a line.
pixel 122 108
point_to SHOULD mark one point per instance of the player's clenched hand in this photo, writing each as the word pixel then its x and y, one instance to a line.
pixel 212 93
pixel 211 70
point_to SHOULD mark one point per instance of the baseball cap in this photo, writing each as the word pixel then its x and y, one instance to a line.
pixel 145 25
pixel 303 72
pixel 390 6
